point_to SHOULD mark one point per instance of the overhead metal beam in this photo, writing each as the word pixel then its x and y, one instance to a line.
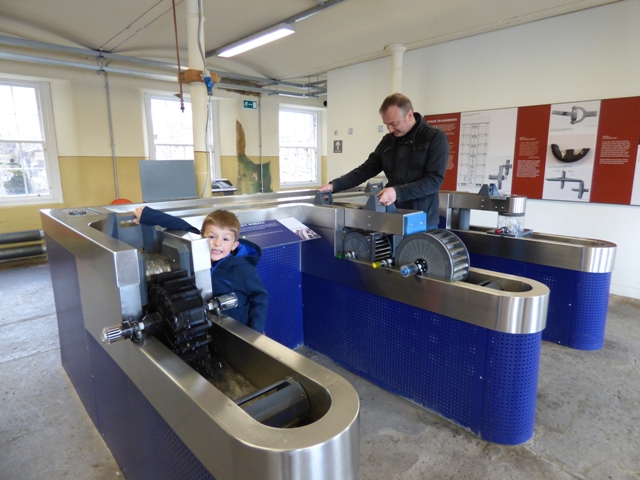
pixel 153 76
pixel 85 66
pixel 259 87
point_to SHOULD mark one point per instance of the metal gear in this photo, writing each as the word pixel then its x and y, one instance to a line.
pixel 440 251
pixel 360 244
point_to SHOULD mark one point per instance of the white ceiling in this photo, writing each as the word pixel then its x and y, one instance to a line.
pixel 347 33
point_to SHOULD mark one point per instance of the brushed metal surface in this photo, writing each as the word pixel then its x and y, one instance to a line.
pixel 228 442
pixel 520 307
pixel 504 204
pixel 390 223
pixel 571 253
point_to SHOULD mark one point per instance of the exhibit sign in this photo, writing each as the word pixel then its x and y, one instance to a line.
pixel 583 151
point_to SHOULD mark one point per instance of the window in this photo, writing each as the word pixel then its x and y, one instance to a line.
pixel 171 131
pixel 298 147
pixel 29 171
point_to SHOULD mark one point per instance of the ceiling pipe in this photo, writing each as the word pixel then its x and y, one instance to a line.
pixel 20 42
pixel 151 76
pixel 84 66
pixel 172 77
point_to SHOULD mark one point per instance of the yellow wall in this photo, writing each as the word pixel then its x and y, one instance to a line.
pixel 89 181
pixel 229 166
pixel 85 181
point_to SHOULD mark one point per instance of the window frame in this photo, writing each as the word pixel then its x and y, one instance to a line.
pixel 317 113
pixel 50 148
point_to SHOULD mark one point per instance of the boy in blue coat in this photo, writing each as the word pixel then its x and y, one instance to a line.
pixel 233 261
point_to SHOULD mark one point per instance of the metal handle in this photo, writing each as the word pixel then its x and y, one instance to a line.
pixel 120 332
pixel 222 302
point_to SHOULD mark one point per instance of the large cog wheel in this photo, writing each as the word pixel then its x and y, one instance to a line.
pixel 441 252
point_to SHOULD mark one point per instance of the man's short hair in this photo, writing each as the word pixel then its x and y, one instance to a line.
pixel 399 100
pixel 222 219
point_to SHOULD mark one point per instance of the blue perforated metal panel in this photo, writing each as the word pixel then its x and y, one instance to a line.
pixel 511 383
pixel 590 310
pixel 142 443
pixel 578 301
pixel 279 269
pixel 73 343
pixel 451 367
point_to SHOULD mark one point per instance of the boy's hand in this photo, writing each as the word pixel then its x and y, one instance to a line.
pixel 138 213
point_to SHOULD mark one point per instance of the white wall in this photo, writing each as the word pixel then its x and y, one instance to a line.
pixel 592 54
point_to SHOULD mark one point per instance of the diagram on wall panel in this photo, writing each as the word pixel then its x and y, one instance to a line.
pixel 571 143
pixel 485 152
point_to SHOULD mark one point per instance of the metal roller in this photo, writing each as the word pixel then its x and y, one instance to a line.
pixel 438 253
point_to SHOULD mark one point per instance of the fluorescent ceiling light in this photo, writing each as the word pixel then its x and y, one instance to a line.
pixel 257 39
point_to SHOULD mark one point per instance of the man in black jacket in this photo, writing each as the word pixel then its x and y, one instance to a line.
pixel 413 156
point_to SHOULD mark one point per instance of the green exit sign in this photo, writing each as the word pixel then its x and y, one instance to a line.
pixel 250 104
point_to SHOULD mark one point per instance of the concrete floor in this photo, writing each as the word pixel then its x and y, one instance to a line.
pixel 587 421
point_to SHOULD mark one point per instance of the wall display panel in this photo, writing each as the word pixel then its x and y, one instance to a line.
pixel 449 124
pixel 584 151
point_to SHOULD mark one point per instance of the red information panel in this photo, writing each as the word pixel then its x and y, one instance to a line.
pixel 532 130
pixel 587 151
pixel 449 124
pixel 616 151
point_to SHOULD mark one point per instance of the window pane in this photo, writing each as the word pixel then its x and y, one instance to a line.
pixel 28 127
pixel 297 128
pixel 163 152
pixel 25 101
pixel 9 155
pixel 170 124
pixel 13 182
pixel 36 181
pixel 297 165
pixel 8 128
pixel 32 155
pixel 177 152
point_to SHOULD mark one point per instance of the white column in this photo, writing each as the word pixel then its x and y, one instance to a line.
pixel 199 100
pixel 396 66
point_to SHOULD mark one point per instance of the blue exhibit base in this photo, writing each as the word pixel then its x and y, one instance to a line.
pixel 279 269
pixel 578 301
pixel 480 379
pixel 483 380
pixel 142 443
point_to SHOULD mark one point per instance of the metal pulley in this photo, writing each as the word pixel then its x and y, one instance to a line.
pixel 438 253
